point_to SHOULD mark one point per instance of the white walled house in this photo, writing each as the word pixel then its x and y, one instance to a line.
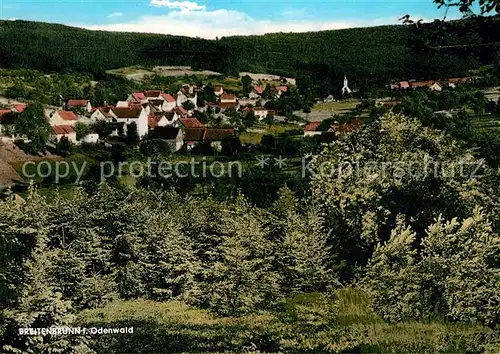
pixel 60 131
pixel 260 113
pixel 137 115
pixel 187 93
pixel 162 119
pixel 436 87
pixel 91 139
pixel 101 113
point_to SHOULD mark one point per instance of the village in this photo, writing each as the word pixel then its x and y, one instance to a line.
pixel 173 117
pixel 167 116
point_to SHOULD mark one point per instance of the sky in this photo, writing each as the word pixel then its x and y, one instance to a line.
pixel 219 18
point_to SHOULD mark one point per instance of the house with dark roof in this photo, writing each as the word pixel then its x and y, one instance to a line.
pixel 213 136
pixel 126 116
pixel 172 135
pixel 189 123
pixel 63 118
pixel 229 105
pixel 79 104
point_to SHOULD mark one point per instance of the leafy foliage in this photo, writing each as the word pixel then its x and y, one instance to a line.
pixel 33 124
pixel 443 278
pixel 395 167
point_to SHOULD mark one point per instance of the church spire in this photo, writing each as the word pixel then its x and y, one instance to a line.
pixel 345 88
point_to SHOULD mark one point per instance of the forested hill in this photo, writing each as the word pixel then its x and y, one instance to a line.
pixel 374 53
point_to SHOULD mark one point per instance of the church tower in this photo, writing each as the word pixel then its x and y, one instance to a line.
pixel 345 88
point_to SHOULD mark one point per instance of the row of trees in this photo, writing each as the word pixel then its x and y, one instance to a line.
pixel 381 53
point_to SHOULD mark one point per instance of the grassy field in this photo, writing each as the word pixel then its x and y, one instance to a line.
pixel 487 123
pixel 339 106
pixel 228 83
pixel 255 134
pixel 310 323
pixel 130 70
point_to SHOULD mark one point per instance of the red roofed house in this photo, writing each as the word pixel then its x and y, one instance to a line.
pixel 181 111
pixel 312 129
pixel 190 123
pixel 169 102
pixel 404 85
pixel 138 115
pixel 137 97
pixel 256 92
pixel 81 104
pixel 228 101
pixel 278 91
pixel 152 94
pixel 453 82
pixel 19 108
pixel 60 131
pixel 63 118
pixel 213 136
pixel 227 98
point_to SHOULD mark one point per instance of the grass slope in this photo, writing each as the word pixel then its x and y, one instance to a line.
pixel 309 324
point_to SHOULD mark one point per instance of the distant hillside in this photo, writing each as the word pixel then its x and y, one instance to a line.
pixel 365 54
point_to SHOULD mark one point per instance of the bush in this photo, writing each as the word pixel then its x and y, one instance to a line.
pixel 154 147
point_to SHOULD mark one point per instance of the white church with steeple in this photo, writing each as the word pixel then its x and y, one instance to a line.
pixel 345 88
